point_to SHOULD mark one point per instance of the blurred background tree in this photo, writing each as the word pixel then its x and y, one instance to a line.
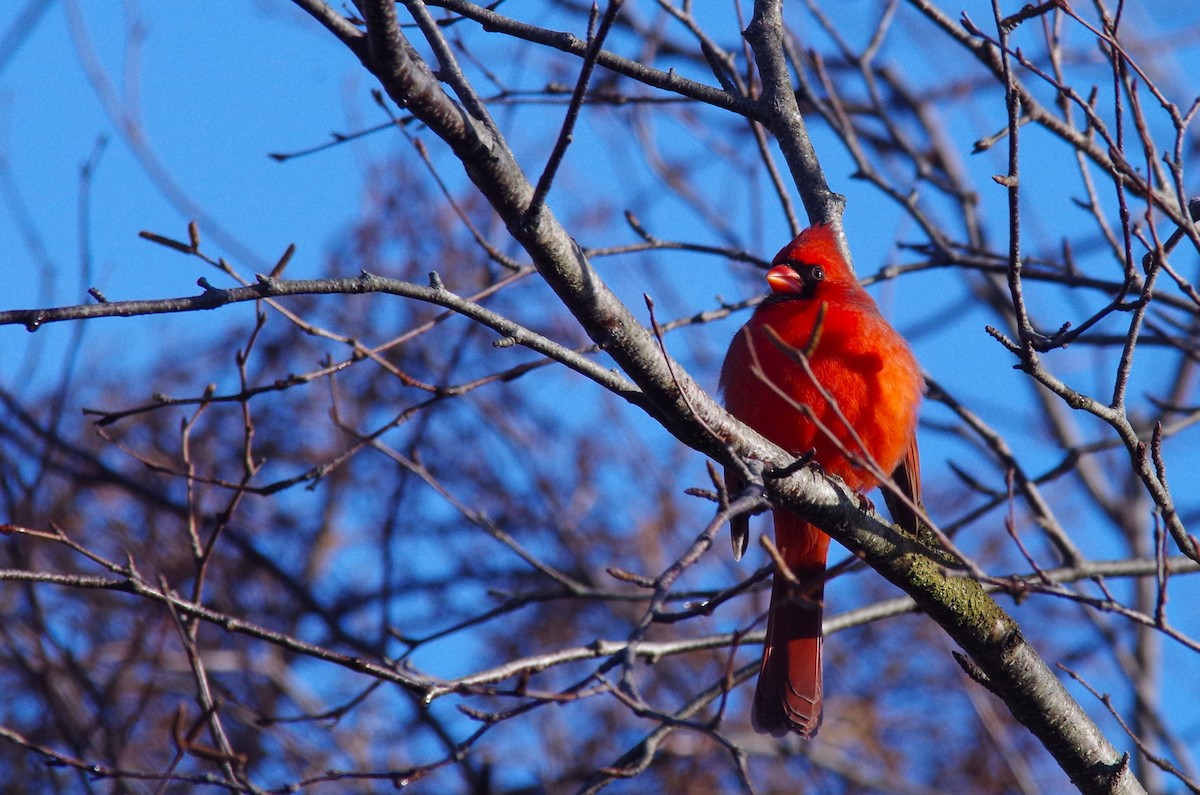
pixel 435 536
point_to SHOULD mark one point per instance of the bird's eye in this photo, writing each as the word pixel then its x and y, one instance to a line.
pixel 814 274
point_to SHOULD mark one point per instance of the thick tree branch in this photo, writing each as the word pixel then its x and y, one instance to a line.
pixel 781 115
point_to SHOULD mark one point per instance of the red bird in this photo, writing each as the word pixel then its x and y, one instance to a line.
pixel 858 419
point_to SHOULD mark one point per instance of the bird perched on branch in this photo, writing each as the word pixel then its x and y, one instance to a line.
pixel 817 370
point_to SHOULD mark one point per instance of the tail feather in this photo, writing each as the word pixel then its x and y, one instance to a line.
pixel 790 691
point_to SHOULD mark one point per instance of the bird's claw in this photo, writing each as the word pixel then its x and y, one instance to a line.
pixel 798 463
pixel 739 536
pixel 749 499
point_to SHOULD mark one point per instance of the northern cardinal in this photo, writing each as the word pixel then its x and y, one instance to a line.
pixel 817 308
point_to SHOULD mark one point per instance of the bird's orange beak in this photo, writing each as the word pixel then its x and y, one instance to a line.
pixel 784 279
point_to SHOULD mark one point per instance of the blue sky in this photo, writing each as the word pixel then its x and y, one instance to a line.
pixel 211 100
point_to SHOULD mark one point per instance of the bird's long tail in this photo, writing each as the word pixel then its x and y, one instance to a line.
pixel 789 694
